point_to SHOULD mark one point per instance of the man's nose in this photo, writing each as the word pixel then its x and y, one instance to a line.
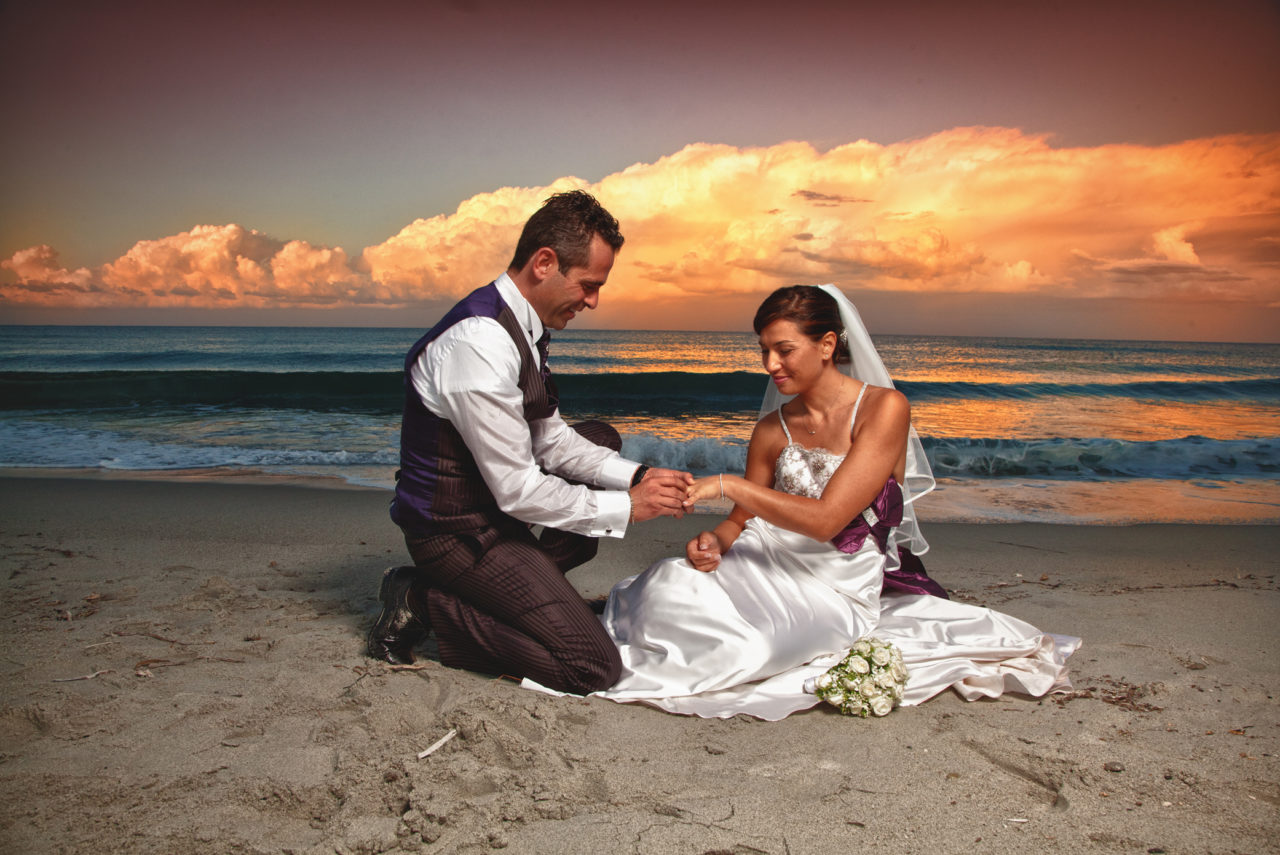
pixel 592 300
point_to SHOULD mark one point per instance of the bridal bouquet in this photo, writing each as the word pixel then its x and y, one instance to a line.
pixel 869 680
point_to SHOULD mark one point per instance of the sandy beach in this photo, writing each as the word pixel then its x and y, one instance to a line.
pixel 183 671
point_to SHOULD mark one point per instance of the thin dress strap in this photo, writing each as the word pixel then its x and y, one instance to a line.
pixel 858 403
pixel 784 425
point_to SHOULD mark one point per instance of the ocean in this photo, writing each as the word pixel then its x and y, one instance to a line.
pixel 1017 430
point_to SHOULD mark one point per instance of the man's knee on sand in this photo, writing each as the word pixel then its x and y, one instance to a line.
pixel 586 678
pixel 592 670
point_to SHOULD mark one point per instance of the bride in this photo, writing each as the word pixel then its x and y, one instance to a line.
pixel 809 560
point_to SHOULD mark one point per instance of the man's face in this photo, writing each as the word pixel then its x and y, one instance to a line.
pixel 560 296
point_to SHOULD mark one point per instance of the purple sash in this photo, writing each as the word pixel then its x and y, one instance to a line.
pixel 886 510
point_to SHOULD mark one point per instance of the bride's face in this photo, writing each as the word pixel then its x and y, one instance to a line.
pixel 794 360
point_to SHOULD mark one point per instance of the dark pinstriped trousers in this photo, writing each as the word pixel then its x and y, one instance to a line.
pixel 499 601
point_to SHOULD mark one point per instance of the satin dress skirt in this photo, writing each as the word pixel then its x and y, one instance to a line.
pixel 782 607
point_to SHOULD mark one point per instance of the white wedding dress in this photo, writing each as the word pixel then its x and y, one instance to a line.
pixel 782 607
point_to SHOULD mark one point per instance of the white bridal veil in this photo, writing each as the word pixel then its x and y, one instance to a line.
pixel 867 366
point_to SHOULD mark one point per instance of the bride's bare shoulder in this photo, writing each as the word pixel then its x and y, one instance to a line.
pixel 768 432
pixel 768 422
pixel 884 404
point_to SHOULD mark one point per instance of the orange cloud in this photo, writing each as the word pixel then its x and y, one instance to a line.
pixel 38 269
pixel 448 256
pixel 978 210
pixel 969 210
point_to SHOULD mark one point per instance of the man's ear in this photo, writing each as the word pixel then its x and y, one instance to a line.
pixel 543 263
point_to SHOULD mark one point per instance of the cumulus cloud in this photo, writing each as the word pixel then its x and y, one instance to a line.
pixel 447 256
pixel 207 267
pixel 39 267
pixel 969 210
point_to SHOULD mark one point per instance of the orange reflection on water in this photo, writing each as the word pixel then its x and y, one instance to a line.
pixel 653 351
pixel 731 429
pixel 1130 420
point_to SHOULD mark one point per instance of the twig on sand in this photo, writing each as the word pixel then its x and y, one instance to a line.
pixel 363 673
pixel 417 667
pixel 438 743
pixel 168 663
pixel 158 637
pixel 85 677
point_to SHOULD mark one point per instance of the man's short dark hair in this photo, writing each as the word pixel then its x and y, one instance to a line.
pixel 566 223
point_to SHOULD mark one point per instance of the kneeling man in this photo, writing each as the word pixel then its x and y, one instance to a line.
pixel 484 454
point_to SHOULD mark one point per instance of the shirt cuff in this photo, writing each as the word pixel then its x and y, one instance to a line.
pixel 613 513
pixel 616 473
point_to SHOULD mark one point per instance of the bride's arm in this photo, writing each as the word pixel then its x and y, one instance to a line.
pixel 704 551
pixel 880 443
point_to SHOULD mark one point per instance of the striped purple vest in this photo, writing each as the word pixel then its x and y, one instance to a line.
pixel 439 488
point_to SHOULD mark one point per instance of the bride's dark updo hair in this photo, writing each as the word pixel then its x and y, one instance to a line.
pixel 811 309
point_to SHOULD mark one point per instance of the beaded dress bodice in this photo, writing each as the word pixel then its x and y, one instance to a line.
pixel 805 472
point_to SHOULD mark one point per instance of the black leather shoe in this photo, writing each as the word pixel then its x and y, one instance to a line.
pixel 399 628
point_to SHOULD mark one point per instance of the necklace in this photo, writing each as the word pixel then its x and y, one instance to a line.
pixel 809 416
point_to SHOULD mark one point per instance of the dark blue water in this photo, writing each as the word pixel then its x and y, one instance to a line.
pixel 1054 421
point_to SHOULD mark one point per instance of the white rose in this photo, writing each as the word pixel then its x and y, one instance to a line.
pixel 881 656
pixel 900 672
pixel 836 698
pixel 851 683
pixel 881 705
pixel 824 681
pixel 886 680
pixel 869 689
pixel 862 648
pixel 858 665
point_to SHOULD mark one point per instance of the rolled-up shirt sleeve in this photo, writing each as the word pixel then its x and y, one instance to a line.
pixel 469 376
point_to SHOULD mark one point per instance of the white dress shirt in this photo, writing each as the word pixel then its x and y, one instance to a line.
pixel 469 375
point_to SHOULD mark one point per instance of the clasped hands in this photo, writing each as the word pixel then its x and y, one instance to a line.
pixel 660 493
pixel 670 493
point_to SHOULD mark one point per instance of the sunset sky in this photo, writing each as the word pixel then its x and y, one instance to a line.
pixel 1098 170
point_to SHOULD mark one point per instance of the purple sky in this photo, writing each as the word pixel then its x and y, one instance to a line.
pixel 340 123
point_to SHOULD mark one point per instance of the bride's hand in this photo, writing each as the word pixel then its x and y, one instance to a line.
pixel 711 487
pixel 703 552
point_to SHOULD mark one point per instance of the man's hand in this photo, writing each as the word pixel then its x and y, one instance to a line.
pixel 661 493
pixel 703 552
